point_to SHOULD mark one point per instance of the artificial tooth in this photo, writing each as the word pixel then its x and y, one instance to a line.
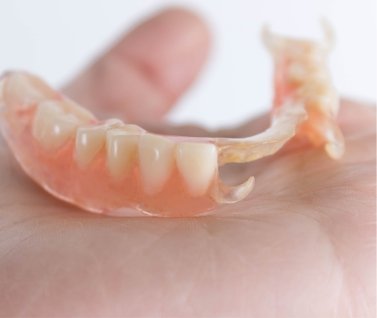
pixel 156 159
pixel 197 164
pixel 80 112
pixel 89 141
pixel 121 146
pixel 22 90
pixel 114 123
pixel 51 127
pixel 130 128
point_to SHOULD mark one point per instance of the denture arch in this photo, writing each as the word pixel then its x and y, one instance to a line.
pixel 116 168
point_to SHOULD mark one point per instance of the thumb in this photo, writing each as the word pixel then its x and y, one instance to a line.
pixel 146 71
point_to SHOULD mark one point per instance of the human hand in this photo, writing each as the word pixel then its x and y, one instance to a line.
pixel 301 245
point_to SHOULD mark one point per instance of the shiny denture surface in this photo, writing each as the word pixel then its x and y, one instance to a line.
pixel 120 169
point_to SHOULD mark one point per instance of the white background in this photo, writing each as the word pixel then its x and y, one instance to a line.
pixel 57 38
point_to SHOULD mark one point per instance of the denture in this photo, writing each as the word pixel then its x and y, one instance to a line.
pixel 116 168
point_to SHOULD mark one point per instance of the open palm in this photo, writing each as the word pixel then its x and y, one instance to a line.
pixel 301 245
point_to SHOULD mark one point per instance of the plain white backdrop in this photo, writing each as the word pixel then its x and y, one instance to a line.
pixel 57 38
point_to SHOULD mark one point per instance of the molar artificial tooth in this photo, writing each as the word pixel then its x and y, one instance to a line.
pixel 197 164
pixel 80 112
pixel 23 90
pixel 130 128
pixel 113 123
pixel 51 126
pixel 156 159
pixel 121 146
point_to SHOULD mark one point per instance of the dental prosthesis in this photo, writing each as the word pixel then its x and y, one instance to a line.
pixel 114 168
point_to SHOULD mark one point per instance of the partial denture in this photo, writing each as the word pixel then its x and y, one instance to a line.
pixel 115 168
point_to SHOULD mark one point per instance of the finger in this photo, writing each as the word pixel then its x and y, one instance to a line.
pixel 144 74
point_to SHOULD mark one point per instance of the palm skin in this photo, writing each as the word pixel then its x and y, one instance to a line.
pixel 301 245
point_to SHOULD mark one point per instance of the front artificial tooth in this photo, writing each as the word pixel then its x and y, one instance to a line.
pixel 51 127
pixel 121 146
pixel 23 90
pixel 156 156
pixel 89 141
pixel 197 163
